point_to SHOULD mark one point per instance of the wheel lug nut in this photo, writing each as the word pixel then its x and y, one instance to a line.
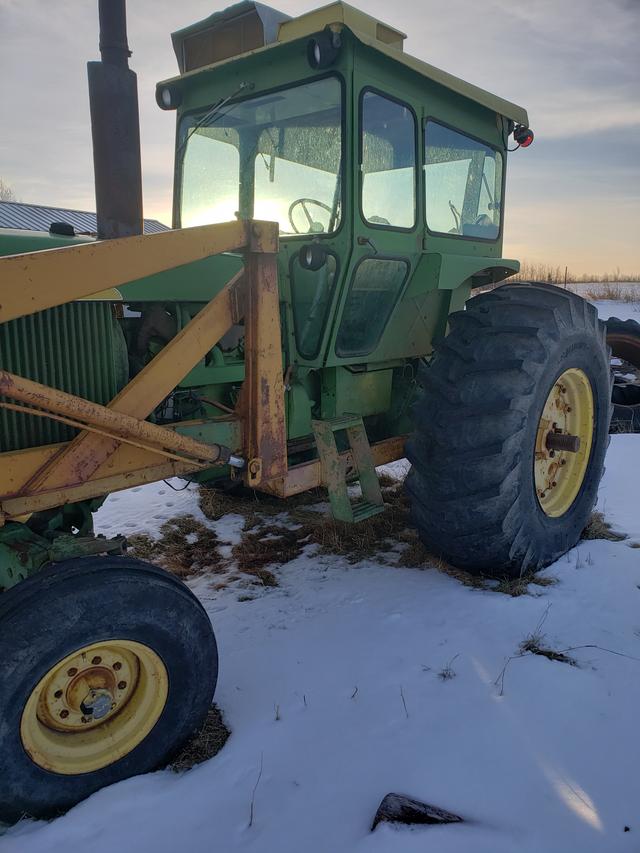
pixel 117 665
pixel 96 660
pixel 122 685
pixel 72 671
pixel 64 714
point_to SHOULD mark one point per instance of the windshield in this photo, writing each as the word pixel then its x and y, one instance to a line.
pixel 276 157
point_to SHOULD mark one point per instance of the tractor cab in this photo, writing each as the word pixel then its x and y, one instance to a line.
pixel 385 175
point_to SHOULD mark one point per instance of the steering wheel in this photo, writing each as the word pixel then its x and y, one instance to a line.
pixel 303 202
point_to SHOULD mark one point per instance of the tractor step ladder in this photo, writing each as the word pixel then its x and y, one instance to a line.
pixel 335 471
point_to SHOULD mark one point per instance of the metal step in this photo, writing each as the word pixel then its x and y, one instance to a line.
pixel 364 509
pixel 334 470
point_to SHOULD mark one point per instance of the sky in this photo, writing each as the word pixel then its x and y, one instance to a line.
pixel 573 197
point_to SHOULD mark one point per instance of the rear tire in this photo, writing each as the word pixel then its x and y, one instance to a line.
pixel 473 487
pixel 623 337
pixel 138 637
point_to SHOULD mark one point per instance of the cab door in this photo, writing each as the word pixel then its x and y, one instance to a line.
pixel 387 233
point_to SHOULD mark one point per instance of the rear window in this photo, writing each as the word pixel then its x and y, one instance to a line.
pixel 463 184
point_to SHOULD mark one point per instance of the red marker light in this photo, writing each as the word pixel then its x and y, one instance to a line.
pixel 523 135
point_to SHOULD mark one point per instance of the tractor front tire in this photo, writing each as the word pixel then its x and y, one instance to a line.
pixel 511 431
pixel 107 665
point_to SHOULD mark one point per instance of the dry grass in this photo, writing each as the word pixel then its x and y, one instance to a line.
pixel 142 546
pixel 372 537
pixel 253 505
pixel 206 743
pixel 612 291
pixel 559 274
pixel 519 586
pixel 598 528
pixel 186 547
pixel 276 532
pixel 417 556
pixel 267 545
pixel 447 672
pixel 534 645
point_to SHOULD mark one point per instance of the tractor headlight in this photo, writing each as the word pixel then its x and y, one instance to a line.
pixel 323 49
pixel 312 256
pixel 167 99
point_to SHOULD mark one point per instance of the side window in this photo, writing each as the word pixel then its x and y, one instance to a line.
pixel 388 162
pixel 463 184
pixel 312 292
pixel 374 289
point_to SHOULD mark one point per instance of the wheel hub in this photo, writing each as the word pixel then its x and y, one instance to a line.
pixel 563 442
pixel 85 691
pixel 94 706
pixel 97 704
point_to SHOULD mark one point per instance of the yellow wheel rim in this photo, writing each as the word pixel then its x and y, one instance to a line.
pixel 567 418
pixel 94 706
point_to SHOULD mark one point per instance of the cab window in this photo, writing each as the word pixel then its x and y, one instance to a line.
pixel 388 162
pixel 312 293
pixel 463 184
pixel 373 293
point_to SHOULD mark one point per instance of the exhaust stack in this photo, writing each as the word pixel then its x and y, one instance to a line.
pixel 115 128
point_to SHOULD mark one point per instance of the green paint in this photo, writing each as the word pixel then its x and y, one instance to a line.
pixel 24 552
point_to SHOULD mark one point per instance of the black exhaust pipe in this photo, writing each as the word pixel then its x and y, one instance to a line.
pixel 115 128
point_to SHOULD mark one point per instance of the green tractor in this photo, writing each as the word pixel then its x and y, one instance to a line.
pixel 279 357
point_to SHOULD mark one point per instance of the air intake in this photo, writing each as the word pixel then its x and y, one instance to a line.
pixel 238 29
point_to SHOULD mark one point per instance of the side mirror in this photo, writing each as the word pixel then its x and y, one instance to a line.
pixel 312 256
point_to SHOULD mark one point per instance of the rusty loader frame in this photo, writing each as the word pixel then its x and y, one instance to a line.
pixel 116 447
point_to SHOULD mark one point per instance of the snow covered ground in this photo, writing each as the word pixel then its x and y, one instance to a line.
pixel 550 762
pixel 622 310
pixel 332 684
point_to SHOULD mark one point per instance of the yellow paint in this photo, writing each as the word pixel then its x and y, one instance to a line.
pixel 339 13
pixel 126 681
pixel 34 281
pixel 569 409
pixel 110 295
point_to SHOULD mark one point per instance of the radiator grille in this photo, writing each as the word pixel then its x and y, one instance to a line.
pixel 70 347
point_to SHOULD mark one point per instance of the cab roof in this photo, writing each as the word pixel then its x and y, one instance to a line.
pixel 249 27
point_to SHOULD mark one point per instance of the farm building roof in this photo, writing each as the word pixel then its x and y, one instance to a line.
pixel 37 217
